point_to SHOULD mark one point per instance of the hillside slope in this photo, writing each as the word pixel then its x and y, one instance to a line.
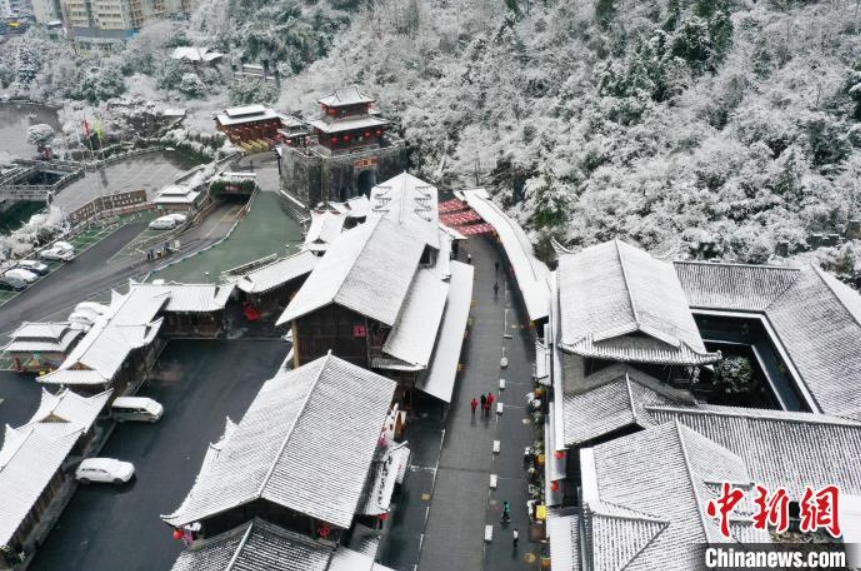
pixel 708 128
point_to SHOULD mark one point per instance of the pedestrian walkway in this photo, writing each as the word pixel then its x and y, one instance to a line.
pixel 462 503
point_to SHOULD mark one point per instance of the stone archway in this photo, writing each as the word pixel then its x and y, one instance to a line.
pixel 366 181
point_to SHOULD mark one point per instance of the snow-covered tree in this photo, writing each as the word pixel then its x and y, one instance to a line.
pixel 40 135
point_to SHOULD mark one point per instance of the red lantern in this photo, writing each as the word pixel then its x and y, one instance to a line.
pixel 554 486
pixel 559 454
pixel 383 516
pixel 289 142
pixel 177 534
pixel 334 140
pixel 379 132
pixel 367 134
pixel 333 112
pixel 346 138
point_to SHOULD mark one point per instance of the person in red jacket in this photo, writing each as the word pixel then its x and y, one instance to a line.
pixel 473 404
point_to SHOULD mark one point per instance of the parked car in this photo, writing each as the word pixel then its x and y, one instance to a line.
pixel 168 222
pixel 12 283
pixel 136 408
pixel 23 274
pixel 34 266
pixel 58 254
pixel 107 470
pixel 64 246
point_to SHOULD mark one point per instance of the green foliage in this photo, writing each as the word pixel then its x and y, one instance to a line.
pixel 734 374
pixel 94 84
pixel 605 12
pixel 191 86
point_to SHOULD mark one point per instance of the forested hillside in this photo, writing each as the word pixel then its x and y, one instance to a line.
pixel 705 128
pixel 722 129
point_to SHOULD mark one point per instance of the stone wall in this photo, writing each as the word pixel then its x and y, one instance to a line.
pixel 312 177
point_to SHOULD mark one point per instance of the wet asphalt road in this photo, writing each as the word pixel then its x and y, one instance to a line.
pixel 117 528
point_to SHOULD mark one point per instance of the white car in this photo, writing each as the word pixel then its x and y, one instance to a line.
pixel 58 254
pixel 168 222
pixel 64 246
pixel 104 470
pixel 23 274
pixel 34 266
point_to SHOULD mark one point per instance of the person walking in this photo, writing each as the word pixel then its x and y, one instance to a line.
pixel 514 537
pixel 473 404
pixel 506 512
pixel 468 258
pixel 483 402
pixel 490 399
pixel 495 289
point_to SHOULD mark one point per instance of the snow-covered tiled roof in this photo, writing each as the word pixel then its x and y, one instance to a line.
pixel 409 201
pixel 367 269
pixel 53 331
pixel 195 54
pixel 736 286
pixel 815 318
pixel 22 342
pixel 563 531
pixel 187 198
pixel 30 457
pixel 349 95
pixel 278 273
pixel 256 546
pixel 101 353
pixel 247 114
pixel 67 406
pixel 325 227
pixel 413 336
pixel 780 449
pixel 306 443
pixel 348 124
pixel 532 274
pixel 618 303
pixel 649 491
pixel 440 378
pixel 186 298
pixel 616 399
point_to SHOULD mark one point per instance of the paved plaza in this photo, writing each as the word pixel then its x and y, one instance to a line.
pixel 148 172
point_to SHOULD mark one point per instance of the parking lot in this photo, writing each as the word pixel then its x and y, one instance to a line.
pixel 117 528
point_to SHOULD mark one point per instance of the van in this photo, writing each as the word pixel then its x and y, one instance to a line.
pixel 136 408
pixel 164 223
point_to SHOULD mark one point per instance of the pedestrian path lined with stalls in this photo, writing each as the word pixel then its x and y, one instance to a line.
pixel 462 503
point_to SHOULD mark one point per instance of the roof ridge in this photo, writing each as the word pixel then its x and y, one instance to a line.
pixel 733 264
pixel 691 479
pixel 627 282
pixel 239 547
pixel 375 225
pixel 766 414
pixel 821 273
pixel 305 400
pixel 630 395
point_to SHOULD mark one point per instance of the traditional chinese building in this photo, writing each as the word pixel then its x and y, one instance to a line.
pixel 31 465
pixel 349 149
pixel 387 296
pixel 303 458
pixel 121 346
pixel 274 285
pixel 249 123
pixel 42 346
